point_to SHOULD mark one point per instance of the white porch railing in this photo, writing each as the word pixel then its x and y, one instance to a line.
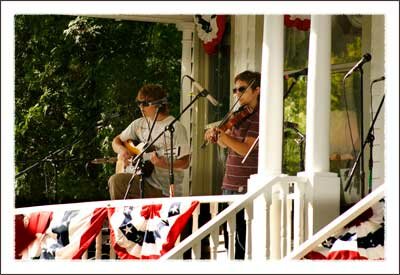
pixel 285 202
pixel 330 229
pixel 285 199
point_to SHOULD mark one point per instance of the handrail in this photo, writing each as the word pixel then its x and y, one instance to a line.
pixel 119 203
pixel 236 206
pixel 337 224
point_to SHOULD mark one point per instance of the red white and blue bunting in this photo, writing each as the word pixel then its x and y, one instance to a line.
pixel 361 239
pixel 136 232
pixel 210 29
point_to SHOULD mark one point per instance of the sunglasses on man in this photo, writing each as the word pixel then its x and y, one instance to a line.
pixel 241 89
pixel 158 102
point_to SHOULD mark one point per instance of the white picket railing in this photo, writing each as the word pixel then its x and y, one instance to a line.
pixel 285 202
pixel 337 224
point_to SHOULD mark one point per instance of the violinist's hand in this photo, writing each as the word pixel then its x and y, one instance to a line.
pixel 211 135
pixel 221 137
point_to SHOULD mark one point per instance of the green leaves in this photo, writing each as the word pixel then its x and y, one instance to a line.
pixel 69 73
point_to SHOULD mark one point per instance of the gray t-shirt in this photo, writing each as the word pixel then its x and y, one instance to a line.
pixel 139 130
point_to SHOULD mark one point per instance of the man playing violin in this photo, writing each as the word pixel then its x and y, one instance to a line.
pixel 152 101
pixel 238 139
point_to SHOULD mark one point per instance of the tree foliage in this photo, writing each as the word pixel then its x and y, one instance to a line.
pixel 71 72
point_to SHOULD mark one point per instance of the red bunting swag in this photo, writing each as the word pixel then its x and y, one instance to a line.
pixel 64 234
pixel 29 230
pixel 362 239
pixel 149 231
pixel 301 22
pixel 210 29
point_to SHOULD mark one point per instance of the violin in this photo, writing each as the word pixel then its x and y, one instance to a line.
pixel 234 118
pixel 231 120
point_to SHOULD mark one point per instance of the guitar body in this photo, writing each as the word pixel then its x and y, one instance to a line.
pixel 134 150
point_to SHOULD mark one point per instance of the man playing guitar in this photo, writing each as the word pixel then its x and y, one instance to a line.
pixel 152 101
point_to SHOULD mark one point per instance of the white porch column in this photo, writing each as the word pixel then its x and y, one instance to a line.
pixel 318 95
pixel 270 136
pixel 186 69
pixel 324 193
pixel 271 97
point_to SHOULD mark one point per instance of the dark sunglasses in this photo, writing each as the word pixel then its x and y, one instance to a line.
pixel 157 102
pixel 240 89
pixel 143 103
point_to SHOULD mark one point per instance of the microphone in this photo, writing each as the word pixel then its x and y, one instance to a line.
pixel 378 79
pixel 366 57
pixel 297 74
pixel 209 97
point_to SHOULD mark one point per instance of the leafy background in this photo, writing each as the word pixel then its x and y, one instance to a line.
pixel 71 72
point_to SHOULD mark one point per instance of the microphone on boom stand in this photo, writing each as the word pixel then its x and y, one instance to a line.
pixel 206 93
pixel 369 139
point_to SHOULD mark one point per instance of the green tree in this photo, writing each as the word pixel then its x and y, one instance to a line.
pixel 71 72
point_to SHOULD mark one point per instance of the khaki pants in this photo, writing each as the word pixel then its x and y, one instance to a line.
pixel 118 184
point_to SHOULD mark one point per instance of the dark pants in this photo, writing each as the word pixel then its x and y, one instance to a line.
pixel 118 184
pixel 240 237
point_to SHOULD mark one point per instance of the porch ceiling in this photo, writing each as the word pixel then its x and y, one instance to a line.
pixel 160 18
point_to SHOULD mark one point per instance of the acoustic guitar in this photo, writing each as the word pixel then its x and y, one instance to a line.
pixel 136 150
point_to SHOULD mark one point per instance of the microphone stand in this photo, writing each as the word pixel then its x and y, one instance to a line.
pixel 56 152
pixel 364 143
pixel 170 128
pixel 362 171
pixel 138 170
pixel 300 141
pixel 290 88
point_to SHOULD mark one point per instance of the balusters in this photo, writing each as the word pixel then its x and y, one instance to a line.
pixel 283 199
pixel 298 216
pixel 196 249
pixel 99 245
pixel 85 255
pixel 275 223
pixel 214 236
pixel 248 216
pixel 112 253
pixel 289 222
pixel 231 228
